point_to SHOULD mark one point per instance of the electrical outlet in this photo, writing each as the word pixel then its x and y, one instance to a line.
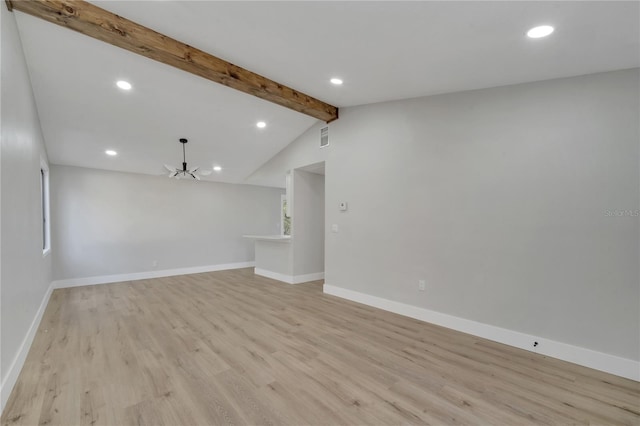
pixel 422 285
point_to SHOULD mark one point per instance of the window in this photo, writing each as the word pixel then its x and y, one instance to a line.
pixel 44 192
pixel 285 218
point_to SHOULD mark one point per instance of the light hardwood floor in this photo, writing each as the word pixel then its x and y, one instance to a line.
pixel 233 348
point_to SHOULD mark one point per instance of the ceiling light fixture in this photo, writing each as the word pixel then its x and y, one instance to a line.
pixel 217 168
pixel 111 152
pixel 336 81
pixel 124 85
pixel 539 32
pixel 185 172
pixel 261 124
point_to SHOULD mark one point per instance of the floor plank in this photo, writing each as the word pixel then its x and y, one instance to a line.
pixel 230 347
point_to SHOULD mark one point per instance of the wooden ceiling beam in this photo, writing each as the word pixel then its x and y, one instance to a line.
pixel 103 25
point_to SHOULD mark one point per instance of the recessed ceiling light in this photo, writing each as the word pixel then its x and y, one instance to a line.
pixel 217 168
pixel 124 85
pixel 111 152
pixel 539 32
pixel 336 81
pixel 261 124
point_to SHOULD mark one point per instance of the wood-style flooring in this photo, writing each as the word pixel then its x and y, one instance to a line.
pixel 233 348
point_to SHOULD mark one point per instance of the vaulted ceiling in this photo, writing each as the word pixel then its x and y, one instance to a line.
pixel 382 50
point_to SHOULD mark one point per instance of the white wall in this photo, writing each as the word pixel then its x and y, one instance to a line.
pixel 498 198
pixel 107 223
pixel 304 151
pixel 25 275
pixel 307 223
pixel 274 256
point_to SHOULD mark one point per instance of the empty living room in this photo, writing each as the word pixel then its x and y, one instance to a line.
pixel 319 212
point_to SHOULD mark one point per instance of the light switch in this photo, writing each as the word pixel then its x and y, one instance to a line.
pixel 343 206
pixel 334 228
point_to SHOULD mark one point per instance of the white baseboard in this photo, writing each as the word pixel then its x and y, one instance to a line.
pixel 274 275
pixel 105 279
pixel 289 279
pixel 9 381
pixel 298 279
pixel 623 367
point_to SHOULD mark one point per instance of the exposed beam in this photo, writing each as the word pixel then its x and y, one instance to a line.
pixel 101 24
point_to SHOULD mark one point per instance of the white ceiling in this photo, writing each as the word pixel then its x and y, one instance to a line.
pixel 82 113
pixel 316 168
pixel 382 50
